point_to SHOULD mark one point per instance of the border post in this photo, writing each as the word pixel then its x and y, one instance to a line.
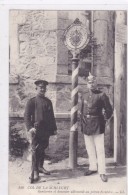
pixel 76 37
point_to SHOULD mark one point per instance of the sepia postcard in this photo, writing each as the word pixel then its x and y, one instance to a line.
pixel 63 117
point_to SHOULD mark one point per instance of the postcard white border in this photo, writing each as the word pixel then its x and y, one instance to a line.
pixel 5 6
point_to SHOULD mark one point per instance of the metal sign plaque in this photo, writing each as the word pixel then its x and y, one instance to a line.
pixel 76 36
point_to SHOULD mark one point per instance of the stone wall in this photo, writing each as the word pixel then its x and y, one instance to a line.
pixel 58 148
pixel 36 44
pixel 33 54
pixel 37 51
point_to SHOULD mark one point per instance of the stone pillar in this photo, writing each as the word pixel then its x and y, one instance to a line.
pixel 103 62
pixel 15 19
pixel 120 87
pixel 104 43
pixel 62 52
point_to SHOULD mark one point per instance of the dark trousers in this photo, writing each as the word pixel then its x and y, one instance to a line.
pixel 38 146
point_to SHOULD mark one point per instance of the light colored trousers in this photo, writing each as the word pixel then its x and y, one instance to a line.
pixel 96 152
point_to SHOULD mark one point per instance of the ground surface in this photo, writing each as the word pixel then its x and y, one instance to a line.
pixel 64 180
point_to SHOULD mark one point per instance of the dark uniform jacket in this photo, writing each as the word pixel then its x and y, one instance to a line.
pixel 92 118
pixel 46 124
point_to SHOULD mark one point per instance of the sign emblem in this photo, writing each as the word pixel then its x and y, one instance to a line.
pixel 76 36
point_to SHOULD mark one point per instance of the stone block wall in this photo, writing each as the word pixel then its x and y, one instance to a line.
pixel 58 149
pixel 33 54
pixel 37 51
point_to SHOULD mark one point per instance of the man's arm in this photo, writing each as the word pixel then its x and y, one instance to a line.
pixel 81 112
pixel 28 115
pixel 52 120
pixel 107 106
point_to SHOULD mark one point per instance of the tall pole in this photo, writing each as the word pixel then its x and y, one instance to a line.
pixel 73 142
pixel 76 37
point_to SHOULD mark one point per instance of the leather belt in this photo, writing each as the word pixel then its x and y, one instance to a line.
pixel 91 116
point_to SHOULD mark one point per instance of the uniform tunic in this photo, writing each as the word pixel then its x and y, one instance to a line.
pixel 40 110
pixel 92 118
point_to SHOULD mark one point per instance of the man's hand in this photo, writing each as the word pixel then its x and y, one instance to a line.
pixel 55 135
pixel 55 132
pixel 32 130
pixel 104 114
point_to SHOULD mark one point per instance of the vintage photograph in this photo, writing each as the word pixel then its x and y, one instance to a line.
pixel 67 102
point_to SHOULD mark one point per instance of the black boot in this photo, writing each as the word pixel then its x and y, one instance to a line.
pixel 41 163
pixel 44 171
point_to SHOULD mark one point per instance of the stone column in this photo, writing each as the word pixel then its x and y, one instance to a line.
pixel 62 52
pixel 15 19
pixel 103 62
pixel 104 43
pixel 120 87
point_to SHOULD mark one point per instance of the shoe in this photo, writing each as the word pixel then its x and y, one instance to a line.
pixel 31 179
pixel 104 177
pixel 42 170
pixel 34 177
pixel 89 172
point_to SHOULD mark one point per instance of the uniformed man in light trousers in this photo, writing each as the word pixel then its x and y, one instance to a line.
pixel 95 110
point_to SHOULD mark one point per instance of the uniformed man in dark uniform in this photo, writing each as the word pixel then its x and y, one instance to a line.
pixel 95 110
pixel 40 121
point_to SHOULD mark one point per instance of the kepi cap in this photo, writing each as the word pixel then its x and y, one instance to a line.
pixel 43 82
